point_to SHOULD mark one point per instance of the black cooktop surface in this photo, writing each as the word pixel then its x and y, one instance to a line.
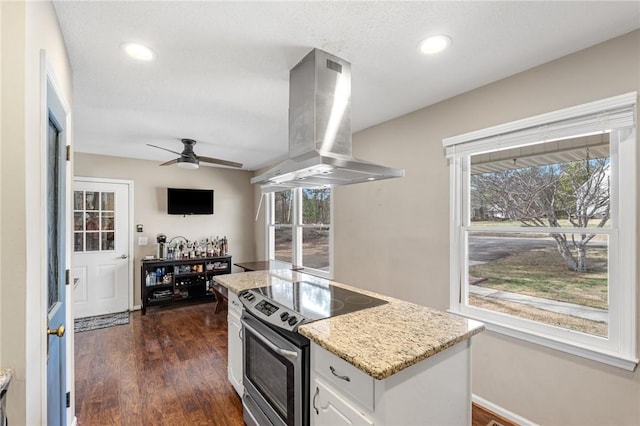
pixel 317 301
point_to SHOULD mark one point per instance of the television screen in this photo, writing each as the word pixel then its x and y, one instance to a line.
pixel 189 201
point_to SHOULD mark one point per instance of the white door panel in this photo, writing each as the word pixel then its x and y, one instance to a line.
pixel 101 248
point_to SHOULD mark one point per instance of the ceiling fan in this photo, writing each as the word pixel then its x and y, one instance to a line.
pixel 189 160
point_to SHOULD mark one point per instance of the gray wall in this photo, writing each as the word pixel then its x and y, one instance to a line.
pixel 393 236
pixel 233 203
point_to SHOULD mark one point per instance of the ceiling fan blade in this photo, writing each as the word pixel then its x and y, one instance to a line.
pixel 218 161
pixel 159 147
pixel 168 163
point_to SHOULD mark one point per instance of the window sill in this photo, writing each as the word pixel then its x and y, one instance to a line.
pixel 598 355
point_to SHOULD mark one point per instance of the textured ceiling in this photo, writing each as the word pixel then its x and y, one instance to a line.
pixel 221 75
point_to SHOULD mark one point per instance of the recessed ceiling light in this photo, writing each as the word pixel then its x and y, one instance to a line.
pixel 138 51
pixel 434 44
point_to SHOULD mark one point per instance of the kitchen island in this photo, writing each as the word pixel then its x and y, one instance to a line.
pixel 394 363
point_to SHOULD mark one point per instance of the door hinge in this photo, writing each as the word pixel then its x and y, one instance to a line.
pixel 68 152
pixel 66 277
pixel 68 399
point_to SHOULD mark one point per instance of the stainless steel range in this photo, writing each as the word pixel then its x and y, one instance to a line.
pixel 276 357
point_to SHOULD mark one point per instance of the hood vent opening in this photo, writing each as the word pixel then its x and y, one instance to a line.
pixel 320 145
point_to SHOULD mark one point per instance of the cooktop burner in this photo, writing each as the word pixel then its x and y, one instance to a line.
pixel 288 304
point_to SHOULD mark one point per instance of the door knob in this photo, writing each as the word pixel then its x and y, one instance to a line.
pixel 124 256
pixel 56 331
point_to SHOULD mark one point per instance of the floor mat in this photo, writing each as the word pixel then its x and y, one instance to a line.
pixel 101 321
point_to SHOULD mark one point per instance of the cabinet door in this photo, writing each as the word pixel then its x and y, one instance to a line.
pixel 330 409
pixel 234 354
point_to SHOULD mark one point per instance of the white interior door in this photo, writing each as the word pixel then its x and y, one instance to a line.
pixel 101 259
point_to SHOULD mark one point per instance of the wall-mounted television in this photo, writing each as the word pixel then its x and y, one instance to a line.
pixel 189 201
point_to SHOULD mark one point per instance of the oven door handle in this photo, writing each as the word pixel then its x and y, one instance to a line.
pixel 276 349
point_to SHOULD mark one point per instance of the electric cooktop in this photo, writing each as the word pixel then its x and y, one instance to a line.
pixel 287 305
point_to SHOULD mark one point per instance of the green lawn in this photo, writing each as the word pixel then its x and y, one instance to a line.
pixel 542 273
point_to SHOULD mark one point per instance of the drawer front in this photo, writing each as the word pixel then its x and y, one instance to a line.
pixel 346 378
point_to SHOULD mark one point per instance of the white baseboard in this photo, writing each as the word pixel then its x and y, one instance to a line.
pixel 136 308
pixel 74 422
pixel 502 411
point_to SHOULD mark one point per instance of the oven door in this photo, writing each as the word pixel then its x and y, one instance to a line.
pixel 274 375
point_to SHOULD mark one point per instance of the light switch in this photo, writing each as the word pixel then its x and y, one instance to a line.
pixel 143 241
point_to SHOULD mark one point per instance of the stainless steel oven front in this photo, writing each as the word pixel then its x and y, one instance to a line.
pixel 276 375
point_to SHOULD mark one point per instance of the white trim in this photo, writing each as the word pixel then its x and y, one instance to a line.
pixel 619 348
pixel 503 412
pixel 130 217
pixel 612 359
pixel 296 227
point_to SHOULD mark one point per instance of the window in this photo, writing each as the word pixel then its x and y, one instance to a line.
pixel 93 221
pixel 299 228
pixel 543 229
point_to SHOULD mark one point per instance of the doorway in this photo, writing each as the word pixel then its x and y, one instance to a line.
pixel 102 260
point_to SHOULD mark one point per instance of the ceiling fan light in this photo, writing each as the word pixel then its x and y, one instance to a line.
pixel 187 165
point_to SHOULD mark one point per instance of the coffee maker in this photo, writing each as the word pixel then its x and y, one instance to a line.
pixel 162 246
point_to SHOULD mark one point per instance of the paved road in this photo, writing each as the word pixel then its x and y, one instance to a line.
pixel 486 249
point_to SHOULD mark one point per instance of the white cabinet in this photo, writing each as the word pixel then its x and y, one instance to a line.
pixel 338 373
pixel 328 408
pixel 436 391
pixel 234 343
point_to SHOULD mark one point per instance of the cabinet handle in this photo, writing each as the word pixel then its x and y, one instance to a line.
pixel 333 371
pixel 314 401
pixel 240 336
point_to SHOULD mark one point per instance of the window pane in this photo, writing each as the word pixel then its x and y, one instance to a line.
pixel 559 279
pixel 555 184
pixel 283 244
pixel 78 221
pixel 107 241
pixel 78 200
pixel 107 221
pixel 92 200
pixel 92 222
pixel 107 201
pixel 93 241
pixel 315 247
pixel 316 206
pixel 283 207
pixel 78 241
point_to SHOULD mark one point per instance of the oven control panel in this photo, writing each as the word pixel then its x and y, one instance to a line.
pixel 270 311
pixel 266 308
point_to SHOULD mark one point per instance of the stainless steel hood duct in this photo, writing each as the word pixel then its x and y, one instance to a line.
pixel 320 130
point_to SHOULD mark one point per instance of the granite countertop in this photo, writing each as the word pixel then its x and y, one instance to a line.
pixel 380 341
pixel 5 378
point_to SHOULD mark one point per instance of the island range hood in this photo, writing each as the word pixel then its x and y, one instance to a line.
pixel 320 130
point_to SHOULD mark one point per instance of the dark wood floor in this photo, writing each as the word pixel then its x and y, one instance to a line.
pixel 168 367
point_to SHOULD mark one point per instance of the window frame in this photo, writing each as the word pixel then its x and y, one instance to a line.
pixel 297 227
pixel 619 348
